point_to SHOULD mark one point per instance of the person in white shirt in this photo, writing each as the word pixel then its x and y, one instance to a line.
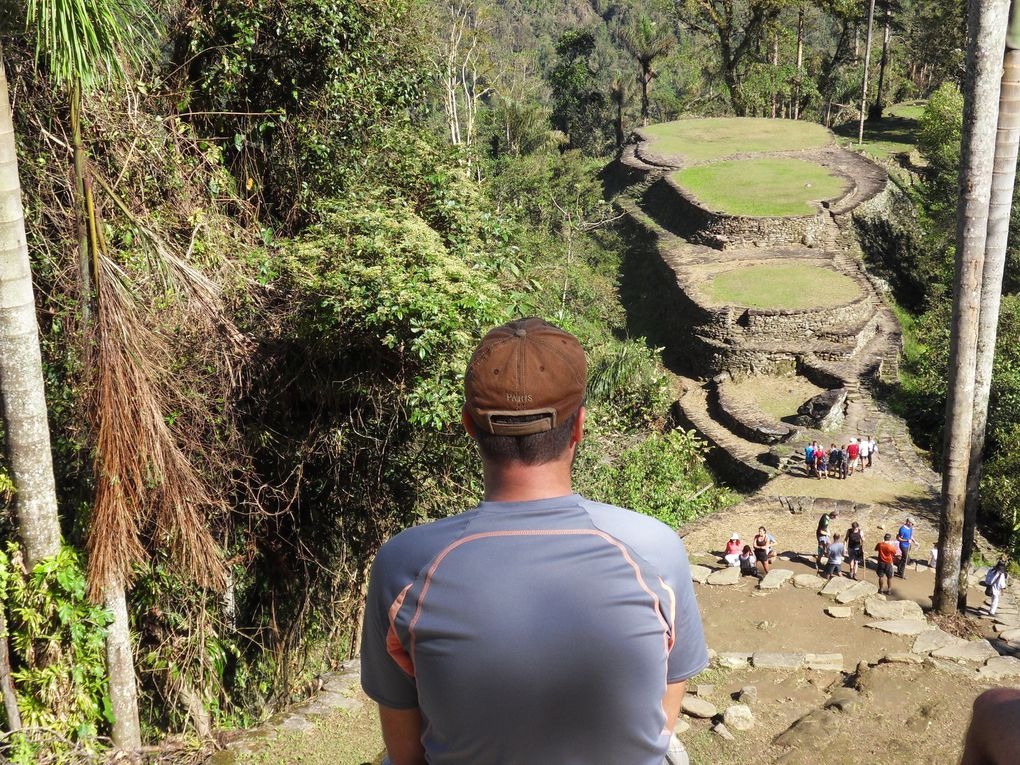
pixel 872 449
pixel 865 453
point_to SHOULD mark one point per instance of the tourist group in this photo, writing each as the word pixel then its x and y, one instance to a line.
pixel 840 461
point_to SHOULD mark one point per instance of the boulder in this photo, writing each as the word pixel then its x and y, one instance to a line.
pixel 892 609
pixel 900 626
pixel 824 411
pixel 724 576
pixel 999 668
pixel 808 581
pixel 774 579
pixel 824 662
pixel 835 586
pixel 777 660
pixel 842 699
pixel 733 659
pixel 1010 634
pixel 703 690
pixel 682 726
pixel 934 639
pixel 747 695
pixel 839 612
pixel 721 730
pixel 738 717
pixel 700 573
pixel 969 650
pixel 856 591
pixel 695 707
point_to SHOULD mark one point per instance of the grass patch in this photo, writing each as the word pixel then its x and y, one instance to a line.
pixel 778 397
pixel 889 138
pixel 782 286
pixel 719 137
pixel 766 187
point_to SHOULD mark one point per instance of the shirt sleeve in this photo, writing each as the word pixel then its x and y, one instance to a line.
pixel 689 654
pixel 382 678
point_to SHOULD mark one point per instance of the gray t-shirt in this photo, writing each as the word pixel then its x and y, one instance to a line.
pixel 534 632
pixel 836 550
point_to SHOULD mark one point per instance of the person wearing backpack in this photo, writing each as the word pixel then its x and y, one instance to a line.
pixel 995 583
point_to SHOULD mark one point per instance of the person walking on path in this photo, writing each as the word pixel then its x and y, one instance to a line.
pixel 995 583
pixel 853 451
pixel 837 461
pixel 887 551
pixel 835 563
pixel 486 632
pixel 854 548
pixel 872 449
pixel 763 553
pixel 822 537
pixel 821 462
pixel 905 539
pixel 864 453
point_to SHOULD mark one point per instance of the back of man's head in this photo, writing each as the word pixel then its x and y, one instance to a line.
pixel 523 389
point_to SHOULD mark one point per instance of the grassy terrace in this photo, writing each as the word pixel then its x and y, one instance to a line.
pixel 697 140
pixel 764 187
pixel 782 286
pixel 893 136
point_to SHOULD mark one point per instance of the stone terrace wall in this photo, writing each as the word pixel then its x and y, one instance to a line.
pixel 746 420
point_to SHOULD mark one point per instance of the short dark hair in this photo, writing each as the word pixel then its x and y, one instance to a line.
pixel 533 449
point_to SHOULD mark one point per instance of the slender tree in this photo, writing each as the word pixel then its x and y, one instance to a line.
pixel 986 27
pixel 1007 137
pixel 23 401
pixel 646 41
pixel 867 69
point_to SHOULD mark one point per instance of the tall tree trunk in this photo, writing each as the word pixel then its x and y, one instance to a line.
pixel 986 25
pixel 646 80
pixel 1007 138
pixel 120 668
pixel 22 397
pixel 775 67
pixel 867 67
pixel 6 683
pixel 879 107
pixel 800 63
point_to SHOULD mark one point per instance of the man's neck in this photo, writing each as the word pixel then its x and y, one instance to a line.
pixel 517 482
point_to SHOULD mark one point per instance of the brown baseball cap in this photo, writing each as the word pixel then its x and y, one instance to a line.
pixel 525 368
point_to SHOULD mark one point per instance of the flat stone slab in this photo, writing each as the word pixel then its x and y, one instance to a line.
pixel 824 662
pixel 839 612
pixel 777 660
pixel 902 657
pixel 695 707
pixel 808 581
pixel 857 591
pixel 721 730
pixel 892 609
pixel 773 580
pixel 836 585
pixel 724 576
pixel 700 574
pixel 734 659
pixel 900 626
pixel 933 640
pixel 1012 634
pixel 970 650
pixel 999 668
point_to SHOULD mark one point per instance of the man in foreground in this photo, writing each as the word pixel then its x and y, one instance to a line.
pixel 539 627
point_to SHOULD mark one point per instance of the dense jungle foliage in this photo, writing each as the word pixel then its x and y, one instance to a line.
pixel 310 211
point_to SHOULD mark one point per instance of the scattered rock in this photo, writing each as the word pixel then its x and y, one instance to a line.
pixel 765 625
pixel 724 576
pixel 703 690
pixel 902 657
pixel 774 579
pixel 775 660
pixel 734 659
pixel 835 586
pixel 824 662
pixel 842 699
pixel 900 626
pixel 738 717
pixel 808 581
pixel 721 730
pixel 696 707
pixel 892 609
pixel 296 722
pixel 682 726
pixel 700 574
pixel 856 591
pixel 711 654
pixel 969 650
pixel 1011 634
pixel 839 612
pixel 805 732
pixel 933 639
pixel 747 695
pixel 999 668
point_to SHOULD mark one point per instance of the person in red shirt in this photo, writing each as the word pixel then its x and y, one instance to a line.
pixel 888 551
pixel 853 451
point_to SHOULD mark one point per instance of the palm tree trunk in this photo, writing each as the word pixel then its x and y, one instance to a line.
pixel 986 24
pixel 22 396
pixel 120 668
pixel 1007 138
pixel 800 63
pixel 882 63
pixel 867 67
pixel 646 80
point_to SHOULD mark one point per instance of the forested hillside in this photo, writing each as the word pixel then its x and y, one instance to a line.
pixel 263 238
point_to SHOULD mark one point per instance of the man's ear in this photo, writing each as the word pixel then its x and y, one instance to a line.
pixel 578 433
pixel 468 423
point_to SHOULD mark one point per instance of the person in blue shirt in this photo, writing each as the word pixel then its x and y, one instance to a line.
pixel 809 458
pixel 905 539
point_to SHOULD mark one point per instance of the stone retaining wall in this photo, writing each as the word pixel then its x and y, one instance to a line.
pixel 746 420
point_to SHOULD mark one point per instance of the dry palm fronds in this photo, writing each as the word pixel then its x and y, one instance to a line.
pixel 145 480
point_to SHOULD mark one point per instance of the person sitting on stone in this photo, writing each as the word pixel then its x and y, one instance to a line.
pixel 732 553
pixel 748 565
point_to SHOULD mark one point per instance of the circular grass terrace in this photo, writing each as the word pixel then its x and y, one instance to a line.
pixel 781 286
pixel 768 187
pixel 697 140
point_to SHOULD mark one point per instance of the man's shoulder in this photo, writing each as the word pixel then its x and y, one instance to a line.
pixel 415 546
pixel 639 531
